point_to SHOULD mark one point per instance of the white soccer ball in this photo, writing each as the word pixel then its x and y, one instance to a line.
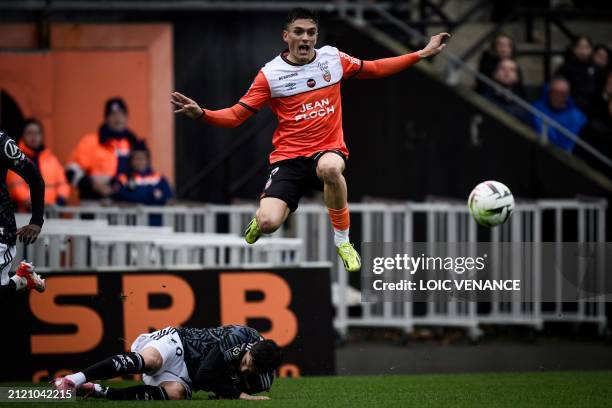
pixel 491 203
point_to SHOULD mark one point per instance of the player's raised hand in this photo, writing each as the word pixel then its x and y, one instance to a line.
pixel 186 106
pixel 435 46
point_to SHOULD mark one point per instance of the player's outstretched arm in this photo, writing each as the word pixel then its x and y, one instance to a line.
pixel 435 46
pixel 389 66
pixel 229 117
pixel 186 106
pixel 244 396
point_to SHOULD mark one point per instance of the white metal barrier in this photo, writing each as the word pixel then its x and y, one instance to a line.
pixel 535 221
pixel 84 243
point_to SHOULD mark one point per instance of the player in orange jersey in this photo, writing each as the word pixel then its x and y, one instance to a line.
pixel 302 87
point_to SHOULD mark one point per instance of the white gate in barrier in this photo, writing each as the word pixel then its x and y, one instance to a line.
pixel 535 221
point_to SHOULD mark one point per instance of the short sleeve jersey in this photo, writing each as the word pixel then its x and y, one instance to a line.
pixel 306 99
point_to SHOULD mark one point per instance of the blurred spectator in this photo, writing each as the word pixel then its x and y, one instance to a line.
pixel 506 75
pixel 601 57
pixel 557 103
pixel 579 70
pixel 598 133
pixel 57 189
pixel 599 106
pixel 501 48
pixel 141 185
pixel 101 156
pixel 601 62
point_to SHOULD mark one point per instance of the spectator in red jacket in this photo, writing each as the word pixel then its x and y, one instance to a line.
pixel 57 189
pixel 100 156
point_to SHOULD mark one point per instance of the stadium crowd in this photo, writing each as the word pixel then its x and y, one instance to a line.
pixel 108 166
pixel 579 95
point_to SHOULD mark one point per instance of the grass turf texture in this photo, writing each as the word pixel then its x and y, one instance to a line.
pixel 558 389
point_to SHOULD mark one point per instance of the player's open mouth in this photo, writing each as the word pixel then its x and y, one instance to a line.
pixel 303 48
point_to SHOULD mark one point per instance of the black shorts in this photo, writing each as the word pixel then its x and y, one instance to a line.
pixel 289 179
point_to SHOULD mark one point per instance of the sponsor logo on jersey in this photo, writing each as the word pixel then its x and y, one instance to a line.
pixel 315 110
pixel 11 150
pixel 290 86
pixel 311 83
pixel 280 78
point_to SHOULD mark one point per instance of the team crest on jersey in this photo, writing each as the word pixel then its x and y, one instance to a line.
pixel 324 67
pixel 12 151
pixel 311 83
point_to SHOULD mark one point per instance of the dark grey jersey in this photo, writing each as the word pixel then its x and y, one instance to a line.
pixel 12 158
pixel 213 358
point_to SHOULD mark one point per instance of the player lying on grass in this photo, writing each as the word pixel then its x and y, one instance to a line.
pixel 302 87
pixel 233 362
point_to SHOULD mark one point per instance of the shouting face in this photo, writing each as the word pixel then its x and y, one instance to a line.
pixel 301 37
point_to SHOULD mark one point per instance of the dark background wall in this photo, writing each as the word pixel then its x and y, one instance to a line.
pixel 231 50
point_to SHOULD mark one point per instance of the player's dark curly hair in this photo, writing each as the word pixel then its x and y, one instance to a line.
pixel 301 13
pixel 267 356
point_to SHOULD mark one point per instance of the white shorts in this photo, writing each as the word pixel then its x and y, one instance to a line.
pixel 169 345
pixel 7 253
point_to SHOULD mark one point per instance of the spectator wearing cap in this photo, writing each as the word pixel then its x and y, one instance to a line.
pixel 100 156
pixel 32 143
pixel 557 103
pixel 142 185
pixel 579 70
pixel 506 75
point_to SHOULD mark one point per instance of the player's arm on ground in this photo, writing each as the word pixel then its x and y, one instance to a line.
pixel 255 98
pixel 381 68
pixel 210 377
pixel 256 383
pixel 14 159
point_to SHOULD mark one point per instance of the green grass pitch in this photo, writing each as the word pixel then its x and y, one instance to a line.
pixel 554 389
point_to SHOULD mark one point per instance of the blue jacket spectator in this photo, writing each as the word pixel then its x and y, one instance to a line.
pixel 142 185
pixel 558 104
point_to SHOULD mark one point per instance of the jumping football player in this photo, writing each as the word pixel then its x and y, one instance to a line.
pixel 233 362
pixel 302 87
pixel 12 158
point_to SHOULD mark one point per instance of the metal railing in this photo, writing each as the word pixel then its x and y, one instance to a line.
pixel 401 222
pixel 455 63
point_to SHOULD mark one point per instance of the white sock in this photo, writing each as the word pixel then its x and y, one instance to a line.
pixel 341 236
pixel 20 282
pixel 99 390
pixel 77 378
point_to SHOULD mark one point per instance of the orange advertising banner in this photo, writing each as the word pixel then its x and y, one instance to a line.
pixel 84 317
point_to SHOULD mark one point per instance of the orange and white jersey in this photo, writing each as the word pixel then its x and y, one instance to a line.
pixel 306 99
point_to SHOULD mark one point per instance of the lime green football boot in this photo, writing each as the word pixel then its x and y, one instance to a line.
pixel 252 232
pixel 350 257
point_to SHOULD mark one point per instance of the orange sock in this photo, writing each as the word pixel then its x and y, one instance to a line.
pixel 340 219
